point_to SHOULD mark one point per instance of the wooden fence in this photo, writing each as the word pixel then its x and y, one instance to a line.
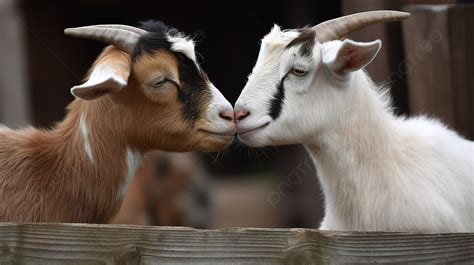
pixel 120 244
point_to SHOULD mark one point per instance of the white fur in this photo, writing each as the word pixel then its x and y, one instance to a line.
pixel 134 160
pixel 182 44
pixel 85 138
pixel 103 76
pixel 219 104
pixel 377 171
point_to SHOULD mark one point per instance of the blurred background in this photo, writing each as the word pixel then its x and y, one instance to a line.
pixel 427 61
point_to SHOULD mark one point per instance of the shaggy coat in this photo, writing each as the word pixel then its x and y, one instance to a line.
pixel 79 171
pixel 377 171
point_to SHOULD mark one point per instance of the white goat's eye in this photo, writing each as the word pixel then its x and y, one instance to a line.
pixel 159 83
pixel 299 72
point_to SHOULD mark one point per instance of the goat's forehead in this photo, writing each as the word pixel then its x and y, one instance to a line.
pixel 278 45
pixel 183 45
pixel 169 40
pixel 275 43
pixel 279 38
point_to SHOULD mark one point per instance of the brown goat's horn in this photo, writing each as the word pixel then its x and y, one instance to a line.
pixel 338 28
pixel 121 36
pixel 139 31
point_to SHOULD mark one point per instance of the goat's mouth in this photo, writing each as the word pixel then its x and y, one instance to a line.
pixel 252 130
pixel 220 135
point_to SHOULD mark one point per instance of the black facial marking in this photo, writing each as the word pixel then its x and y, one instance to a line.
pixel 194 90
pixel 155 40
pixel 276 103
pixel 306 39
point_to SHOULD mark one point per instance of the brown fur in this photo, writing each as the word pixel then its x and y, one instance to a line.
pixel 45 176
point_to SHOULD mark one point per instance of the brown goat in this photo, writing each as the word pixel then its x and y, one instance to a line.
pixel 145 92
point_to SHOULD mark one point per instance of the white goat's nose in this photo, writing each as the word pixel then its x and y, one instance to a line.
pixel 240 114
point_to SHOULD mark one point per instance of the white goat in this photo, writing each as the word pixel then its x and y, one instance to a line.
pixel 145 92
pixel 377 171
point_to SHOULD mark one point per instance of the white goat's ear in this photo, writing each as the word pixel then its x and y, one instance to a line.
pixel 349 56
pixel 108 75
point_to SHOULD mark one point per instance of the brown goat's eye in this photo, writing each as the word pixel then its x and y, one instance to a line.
pixel 159 83
pixel 299 72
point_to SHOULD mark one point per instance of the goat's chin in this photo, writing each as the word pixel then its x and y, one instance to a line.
pixel 263 139
pixel 254 139
pixel 214 143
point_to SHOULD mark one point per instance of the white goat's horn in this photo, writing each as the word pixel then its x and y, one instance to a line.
pixel 121 36
pixel 339 28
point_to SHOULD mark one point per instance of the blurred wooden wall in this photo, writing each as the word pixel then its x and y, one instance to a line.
pixel 440 63
pixel 14 96
pixel 428 62
pixel 388 66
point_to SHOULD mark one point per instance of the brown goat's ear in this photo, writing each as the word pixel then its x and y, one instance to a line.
pixel 109 74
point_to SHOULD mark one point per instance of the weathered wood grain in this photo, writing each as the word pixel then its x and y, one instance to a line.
pixel 118 244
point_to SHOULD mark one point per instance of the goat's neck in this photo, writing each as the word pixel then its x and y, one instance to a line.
pixel 350 154
pixel 94 138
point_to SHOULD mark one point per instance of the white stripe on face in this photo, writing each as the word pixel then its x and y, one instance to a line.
pixel 183 45
pixel 219 104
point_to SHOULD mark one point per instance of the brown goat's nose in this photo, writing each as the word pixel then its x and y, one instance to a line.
pixel 241 114
pixel 227 115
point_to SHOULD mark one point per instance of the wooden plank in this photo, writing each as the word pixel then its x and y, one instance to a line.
pixel 431 2
pixel 120 244
pixel 438 41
